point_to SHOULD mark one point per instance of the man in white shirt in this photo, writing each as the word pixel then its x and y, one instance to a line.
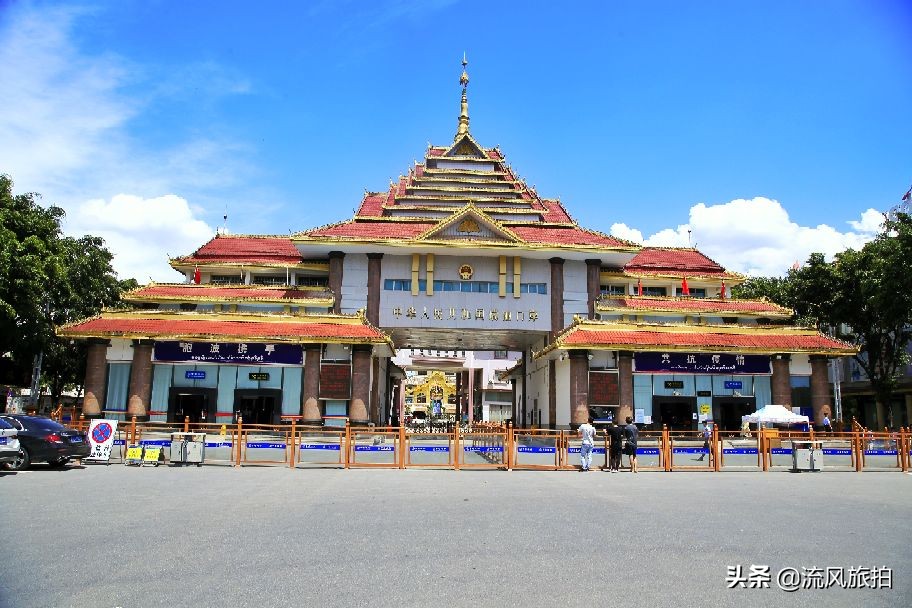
pixel 587 433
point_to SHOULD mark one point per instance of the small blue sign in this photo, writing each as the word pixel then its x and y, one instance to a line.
pixel 531 449
pixel 260 445
pixel 428 448
pixel 192 374
pixel 374 448
pixel 478 448
pixel 736 385
pixel 320 446
pixel 577 450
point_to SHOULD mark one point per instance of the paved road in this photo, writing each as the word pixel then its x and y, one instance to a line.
pixel 269 536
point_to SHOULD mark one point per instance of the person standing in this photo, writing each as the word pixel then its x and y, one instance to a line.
pixel 631 434
pixel 827 425
pixel 707 438
pixel 587 433
pixel 616 435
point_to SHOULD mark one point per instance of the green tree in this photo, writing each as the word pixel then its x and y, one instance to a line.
pixel 47 280
pixel 865 297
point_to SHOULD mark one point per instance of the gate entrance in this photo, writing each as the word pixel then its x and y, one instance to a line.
pixel 677 413
pixel 261 406
pixel 198 404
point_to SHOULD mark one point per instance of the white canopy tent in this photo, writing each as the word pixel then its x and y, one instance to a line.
pixel 775 414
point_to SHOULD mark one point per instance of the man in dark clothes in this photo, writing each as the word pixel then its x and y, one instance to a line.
pixel 616 433
pixel 632 434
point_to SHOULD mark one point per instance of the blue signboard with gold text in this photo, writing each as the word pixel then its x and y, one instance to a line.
pixel 251 353
pixel 701 363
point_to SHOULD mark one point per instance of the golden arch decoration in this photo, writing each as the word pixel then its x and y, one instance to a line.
pixel 435 386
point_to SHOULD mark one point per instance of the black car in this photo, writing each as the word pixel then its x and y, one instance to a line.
pixel 44 440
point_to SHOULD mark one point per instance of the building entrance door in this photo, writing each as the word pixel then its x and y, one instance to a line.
pixel 677 413
pixel 258 406
pixel 194 403
pixel 727 411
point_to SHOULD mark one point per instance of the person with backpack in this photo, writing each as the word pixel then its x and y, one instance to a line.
pixel 587 433
pixel 631 436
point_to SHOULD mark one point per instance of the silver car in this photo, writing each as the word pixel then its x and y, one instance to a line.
pixel 9 444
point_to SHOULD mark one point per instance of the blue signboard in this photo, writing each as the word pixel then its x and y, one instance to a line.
pixel 320 446
pixel 483 449
pixel 531 449
pixel 428 448
pixel 701 363
pixel 374 448
pixel 734 384
pixel 253 353
pixel 191 374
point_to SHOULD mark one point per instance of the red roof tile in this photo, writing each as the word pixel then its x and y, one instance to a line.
pixel 555 213
pixel 696 305
pixel 674 262
pixel 769 342
pixel 372 205
pixel 223 293
pixel 565 236
pixel 265 249
pixel 260 330
pixel 373 230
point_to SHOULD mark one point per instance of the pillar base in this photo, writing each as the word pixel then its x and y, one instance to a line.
pixel 353 422
pixel 312 422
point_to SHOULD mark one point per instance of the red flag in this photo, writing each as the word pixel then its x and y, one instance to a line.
pixel 907 195
pixel 639 287
pixel 685 291
pixel 196 275
pixel 722 291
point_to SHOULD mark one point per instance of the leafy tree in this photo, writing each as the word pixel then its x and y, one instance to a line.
pixel 865 297
pixel 47 280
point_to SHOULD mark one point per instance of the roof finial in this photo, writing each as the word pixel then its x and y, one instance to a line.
pixel 464 106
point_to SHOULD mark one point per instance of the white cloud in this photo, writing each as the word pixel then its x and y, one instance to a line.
pixel 130 223
pixel 756 236
pixel 65 123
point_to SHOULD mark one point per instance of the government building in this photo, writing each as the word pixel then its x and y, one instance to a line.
pixel 459 257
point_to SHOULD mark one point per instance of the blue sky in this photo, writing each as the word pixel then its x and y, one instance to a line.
pixel 769 130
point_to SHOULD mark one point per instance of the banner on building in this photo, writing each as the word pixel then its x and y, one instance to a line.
pixel 101 438
pixel 244 353
pixel 700 363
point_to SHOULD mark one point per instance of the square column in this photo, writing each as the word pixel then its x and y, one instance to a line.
pixel 96 378
pixel 336 260
pixel 593 280
pixel 311 413
pixel 625 386
pixel 361 385
pixel 557 297
pixel 140 380
pixel 579 387
pixel 781 380
pixel 820 389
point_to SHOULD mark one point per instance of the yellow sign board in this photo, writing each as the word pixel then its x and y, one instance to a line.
pixel 134 453
pixel 705 408
pixel 152 454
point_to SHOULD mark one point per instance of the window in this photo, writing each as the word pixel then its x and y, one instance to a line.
pixel 655 291
pixel 730 320
pixel 500 354
pixel 313 281
pixel 268 280
pixel 226 279
pixel 187 306
pixel 397 285
pixel 613 290
pixel 694 293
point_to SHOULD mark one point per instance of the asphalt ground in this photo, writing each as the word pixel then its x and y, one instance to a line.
pixel 106 536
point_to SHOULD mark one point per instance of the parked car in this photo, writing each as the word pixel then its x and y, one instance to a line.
pixel 9 444
pixel 44 440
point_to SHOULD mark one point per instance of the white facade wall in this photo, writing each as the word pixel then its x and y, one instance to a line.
pixel 576 293
pixel 354 283
pixel 562 383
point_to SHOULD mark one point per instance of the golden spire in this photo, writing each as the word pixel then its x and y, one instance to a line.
pixel 464 106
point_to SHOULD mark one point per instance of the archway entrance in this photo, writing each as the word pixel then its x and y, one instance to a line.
pixel 197 404
pixel 727 411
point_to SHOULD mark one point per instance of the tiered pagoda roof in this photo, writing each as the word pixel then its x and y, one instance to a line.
pixel 612 335
pixel 721 307
pixel 228 327
pixel 154 292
